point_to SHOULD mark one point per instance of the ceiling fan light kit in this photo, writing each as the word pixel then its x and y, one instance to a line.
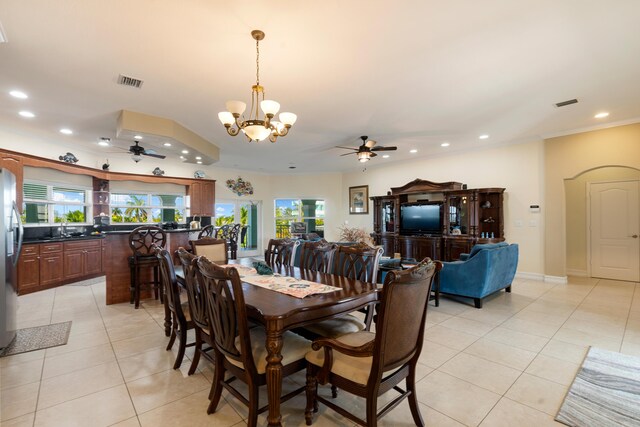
pixel 254 127
pixel 366 151
pixel 137 152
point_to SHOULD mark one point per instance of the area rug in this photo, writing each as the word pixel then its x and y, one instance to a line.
pixel 605 392
pixel 38 338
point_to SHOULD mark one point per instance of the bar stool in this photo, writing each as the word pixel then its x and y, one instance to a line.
pixel 142 241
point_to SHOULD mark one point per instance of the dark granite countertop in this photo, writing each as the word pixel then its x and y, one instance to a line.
pixel 177 230
pixel 63 239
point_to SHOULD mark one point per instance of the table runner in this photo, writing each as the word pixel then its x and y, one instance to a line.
pixel 298 288
pixel 243 271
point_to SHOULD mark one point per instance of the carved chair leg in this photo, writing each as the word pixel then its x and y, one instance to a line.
pixel 172 338
pixel 132 282
pixel 334 391
pixel 311 391
pixel 413 401
pixel 252 420
pixel 136 287
pixel 196 356
pixel 372 411
pixel 216 386
pixel 182 345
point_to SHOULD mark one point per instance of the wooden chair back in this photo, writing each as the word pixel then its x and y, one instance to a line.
pixel 227 312
pixel 207 231
pixel 358 262
pixel 195 294
pixel 224 232
pixel 143 239
pixel 317 256
pixel 169 281
pixel 401 317
pixel 214 249
pixel 280 252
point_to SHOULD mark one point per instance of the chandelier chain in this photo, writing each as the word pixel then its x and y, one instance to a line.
pixel 258 62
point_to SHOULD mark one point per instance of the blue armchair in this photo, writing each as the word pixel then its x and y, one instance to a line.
pixel 487 269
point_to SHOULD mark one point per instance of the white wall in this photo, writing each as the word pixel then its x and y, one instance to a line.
pixel 518 168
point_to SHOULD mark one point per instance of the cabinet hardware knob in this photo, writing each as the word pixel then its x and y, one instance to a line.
pixel 635 236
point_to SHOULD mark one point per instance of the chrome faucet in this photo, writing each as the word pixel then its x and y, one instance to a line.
pixel 63 231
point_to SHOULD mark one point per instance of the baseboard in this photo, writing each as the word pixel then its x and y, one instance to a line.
pixel 577 273
pixel 530 276
pixel 560 280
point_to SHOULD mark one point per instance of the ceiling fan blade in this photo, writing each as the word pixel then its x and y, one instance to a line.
pixel 348 154
pixel 370 143
pixel 384 148
pixel 347 148
pixel 158 156
pixel 372 154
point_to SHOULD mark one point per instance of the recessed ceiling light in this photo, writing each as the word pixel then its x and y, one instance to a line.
pixel 385 156
pixel 198 158
pixel 485 136
pixel 182 157
pixel 185 151
pixel 167 144
pixel 445 144
pixel 104 142
pixel 601 115
pixel 138 137
pixel 27 114
pixel 66 131
pixel 18 94
pixel 199 162
pixel 413 151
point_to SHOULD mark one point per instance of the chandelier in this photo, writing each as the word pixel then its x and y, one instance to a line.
pixel 255 127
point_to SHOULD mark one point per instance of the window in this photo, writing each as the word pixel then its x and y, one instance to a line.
pixel 51 203
pixel 146 208
pixel 309 211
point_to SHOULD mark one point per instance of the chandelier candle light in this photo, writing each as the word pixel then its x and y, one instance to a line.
pixel 255 128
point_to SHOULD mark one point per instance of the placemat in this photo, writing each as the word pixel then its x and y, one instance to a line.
pixel 289 285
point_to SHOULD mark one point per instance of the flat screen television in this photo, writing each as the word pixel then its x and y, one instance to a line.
pixel 421 218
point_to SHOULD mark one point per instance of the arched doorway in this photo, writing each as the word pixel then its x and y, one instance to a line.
pixel 601 220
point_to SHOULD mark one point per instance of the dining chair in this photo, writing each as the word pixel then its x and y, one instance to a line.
pixel 359 262
pixel 198 308
pixel 229 232
pixel 207 231
pixel 180 313
pixel 214 249
pixel 281 252
pixel 318 256
pixel 142 241
pixel 369 364
pixel 238 349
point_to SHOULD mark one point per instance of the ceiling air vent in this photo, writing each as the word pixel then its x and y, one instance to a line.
pixel 565 103
pixel 129 81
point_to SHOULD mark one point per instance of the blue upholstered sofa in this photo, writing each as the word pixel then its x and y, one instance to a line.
pixel 488 268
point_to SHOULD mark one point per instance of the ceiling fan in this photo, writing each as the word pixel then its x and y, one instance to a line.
pixel 367 149
pixel 137 152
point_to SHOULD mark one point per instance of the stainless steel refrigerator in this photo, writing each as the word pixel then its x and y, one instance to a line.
pixel 11 233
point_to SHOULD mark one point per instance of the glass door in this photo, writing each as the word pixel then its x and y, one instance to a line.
pixel 246 213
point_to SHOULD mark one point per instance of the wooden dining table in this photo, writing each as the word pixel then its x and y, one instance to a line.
pixel 279 312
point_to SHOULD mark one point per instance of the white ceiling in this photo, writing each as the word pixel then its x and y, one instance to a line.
pixel 412 73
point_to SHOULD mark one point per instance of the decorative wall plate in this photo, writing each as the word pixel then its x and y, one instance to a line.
pixel 240 187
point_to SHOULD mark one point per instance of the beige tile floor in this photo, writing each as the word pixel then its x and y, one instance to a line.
pixel 509 364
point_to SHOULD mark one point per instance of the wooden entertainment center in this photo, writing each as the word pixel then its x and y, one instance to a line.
pixel 468 217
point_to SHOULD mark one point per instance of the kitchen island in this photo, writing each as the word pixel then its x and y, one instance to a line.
pixel 117 253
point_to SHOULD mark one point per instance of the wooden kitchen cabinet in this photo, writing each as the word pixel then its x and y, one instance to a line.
pixel 47 265
pixel 202 195
pixel 82 258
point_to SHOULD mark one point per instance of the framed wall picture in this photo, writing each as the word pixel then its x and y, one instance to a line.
pixel 359 199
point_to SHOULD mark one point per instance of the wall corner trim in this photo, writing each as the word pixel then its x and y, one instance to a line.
pixel 577 273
